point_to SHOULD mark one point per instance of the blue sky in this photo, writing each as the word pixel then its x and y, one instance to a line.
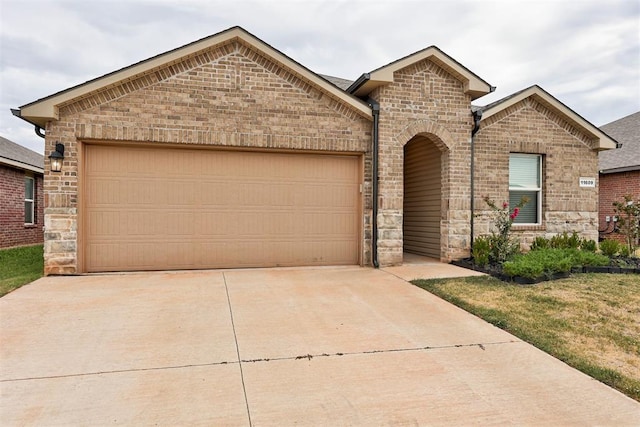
pixel 584 52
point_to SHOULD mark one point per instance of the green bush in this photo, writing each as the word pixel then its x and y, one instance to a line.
pixel 524 267
pixel 481 251
pixel 565 241
pixel 588 245
pixel 588 258
pixel 539 242
pixel 609 247
pixel 624 251
pixel 547 262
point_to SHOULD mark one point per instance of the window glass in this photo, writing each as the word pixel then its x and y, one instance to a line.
pixel 28 200
pixel 525 180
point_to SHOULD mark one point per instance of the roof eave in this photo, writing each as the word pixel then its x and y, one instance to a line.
pixel 21 165
pixel 46 109
pixel 474 86
pixel 620 170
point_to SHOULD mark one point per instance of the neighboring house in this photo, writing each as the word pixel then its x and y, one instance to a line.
pixel 619 170
pixel 227 153
pixel 21 195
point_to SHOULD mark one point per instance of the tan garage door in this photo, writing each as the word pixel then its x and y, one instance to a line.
pixel 177 208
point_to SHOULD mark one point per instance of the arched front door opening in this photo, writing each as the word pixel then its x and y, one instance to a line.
pixel 422 197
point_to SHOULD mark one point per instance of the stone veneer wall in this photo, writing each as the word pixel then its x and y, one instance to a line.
pixel 530 127
pixel 424 100
pixel 229 95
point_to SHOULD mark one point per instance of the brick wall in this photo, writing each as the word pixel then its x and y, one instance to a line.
pixel 229 95
pixel 424 100
pixel 529 127
pixel 13 231
pixel 613 188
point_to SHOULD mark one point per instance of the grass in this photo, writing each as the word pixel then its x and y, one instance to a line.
pixel 589 321
pixel 19 266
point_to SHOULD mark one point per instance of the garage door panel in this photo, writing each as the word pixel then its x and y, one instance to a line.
pixel 159 208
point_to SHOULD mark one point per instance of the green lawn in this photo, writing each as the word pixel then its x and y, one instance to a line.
pixel 19 266
pixel 589 321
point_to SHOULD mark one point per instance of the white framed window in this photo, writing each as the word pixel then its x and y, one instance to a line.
pixel 29 192
pixel 525 180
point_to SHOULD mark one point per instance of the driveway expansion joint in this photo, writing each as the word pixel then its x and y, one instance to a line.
pixel 235 338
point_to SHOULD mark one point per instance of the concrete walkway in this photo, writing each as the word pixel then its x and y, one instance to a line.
pixel 307 346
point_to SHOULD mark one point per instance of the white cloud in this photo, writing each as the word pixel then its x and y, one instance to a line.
pixel 585 52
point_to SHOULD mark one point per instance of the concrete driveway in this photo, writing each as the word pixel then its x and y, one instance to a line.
pixel 308 346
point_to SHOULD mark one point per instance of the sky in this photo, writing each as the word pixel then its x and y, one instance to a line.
pixel 586 53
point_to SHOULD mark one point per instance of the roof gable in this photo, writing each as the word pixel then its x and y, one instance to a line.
pixel 43 110
pixel 535 92
pixel 626 158
pixel 18 156
pixel 473 85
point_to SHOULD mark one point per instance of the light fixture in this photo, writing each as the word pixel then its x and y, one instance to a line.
pixel 57 157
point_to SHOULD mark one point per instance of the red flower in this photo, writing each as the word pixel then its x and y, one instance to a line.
pixel 516 211
pixel 504 205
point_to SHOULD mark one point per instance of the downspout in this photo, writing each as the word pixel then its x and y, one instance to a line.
pixel 375 110
pixel 39 130
pixel 477 116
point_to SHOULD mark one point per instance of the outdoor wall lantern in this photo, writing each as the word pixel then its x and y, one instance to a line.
pixel 57 157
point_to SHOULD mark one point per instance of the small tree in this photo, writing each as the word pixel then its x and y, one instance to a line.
pixel 502 245
pixel 628 213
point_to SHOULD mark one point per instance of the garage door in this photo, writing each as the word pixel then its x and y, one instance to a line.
pixel 176 208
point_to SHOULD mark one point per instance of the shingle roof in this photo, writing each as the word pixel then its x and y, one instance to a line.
pixel 337 81
pixel 627 132
pixel 17 153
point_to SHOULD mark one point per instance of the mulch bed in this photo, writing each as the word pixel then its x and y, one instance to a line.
pixel 631 266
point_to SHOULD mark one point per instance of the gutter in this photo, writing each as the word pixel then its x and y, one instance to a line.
pixel 375 111
pixel 37 128
pixel 358 83
pixel 477 116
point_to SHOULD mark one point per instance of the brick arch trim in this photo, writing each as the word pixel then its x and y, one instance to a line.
pixel 441 136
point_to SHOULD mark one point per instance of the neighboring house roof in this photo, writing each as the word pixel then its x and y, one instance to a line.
pixel 473 85
pixel 16 155
pixel 43 110
pixel 341 83
pixel 626 158
pixel 605 142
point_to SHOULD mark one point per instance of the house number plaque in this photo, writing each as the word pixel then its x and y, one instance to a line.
pixel 587 182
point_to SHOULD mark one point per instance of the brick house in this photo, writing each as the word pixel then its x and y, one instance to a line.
pixel 619 170
pixel 21 195
pixel 227 153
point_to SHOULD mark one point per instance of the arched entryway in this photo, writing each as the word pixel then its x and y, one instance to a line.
pixel 422 205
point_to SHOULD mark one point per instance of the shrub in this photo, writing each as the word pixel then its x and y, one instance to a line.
pixel 521 266
pixel 481 251
pixel 539 243
pixel 587 258
pixel 547 262
pixel 609 247
pixel 565 241
pixel 588 245
pixel 624 251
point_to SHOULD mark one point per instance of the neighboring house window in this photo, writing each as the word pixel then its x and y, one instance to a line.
pixel 525 180
pixel 29 191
